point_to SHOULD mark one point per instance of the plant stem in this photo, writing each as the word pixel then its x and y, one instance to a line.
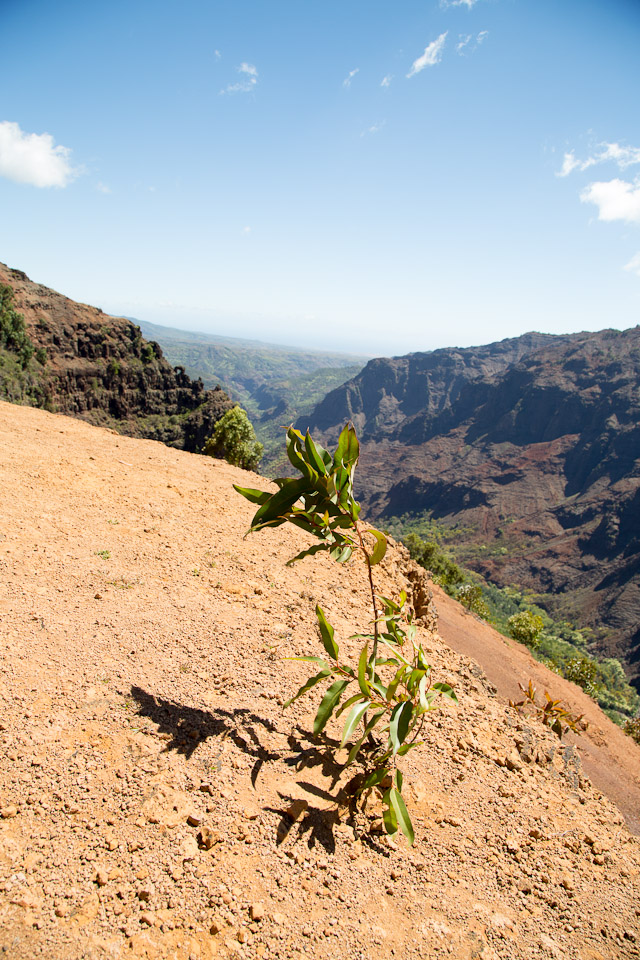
pixel 373 600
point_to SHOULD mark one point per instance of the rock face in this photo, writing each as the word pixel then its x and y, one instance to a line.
pixel 99 368
pixel 532 446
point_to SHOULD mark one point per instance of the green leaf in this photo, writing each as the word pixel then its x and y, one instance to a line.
pixel 399 779
pixel 326 632
pixel 255 496
pixel 389 815
pixel 341 554
pixel 380 548
pixel 309 552
pixel 354 719
pixel 402 817
pixel 348 703
pixel 348 449
pixel 399 724
pixel 280 503
pixel 377 776
pixel 362 670
pixel 311 682
pixel 314 455
pixel 422 694
pixel 446 690
pixel 311 660
pixel 393 686
pixel 353 753
pixel 329 701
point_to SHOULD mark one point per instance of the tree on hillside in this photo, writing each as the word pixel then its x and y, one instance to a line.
pixel 234 440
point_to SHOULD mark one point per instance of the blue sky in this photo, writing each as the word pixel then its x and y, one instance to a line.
pixel 373 176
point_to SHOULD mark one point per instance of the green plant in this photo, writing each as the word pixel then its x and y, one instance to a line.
pixel 13 332
pixel 105 554
pixel 470 596
pixel 393 685
pixel 431 556
pixel 526 627
pixel 552 713
pixel 234 440
pixel 632 727
pixel 584 672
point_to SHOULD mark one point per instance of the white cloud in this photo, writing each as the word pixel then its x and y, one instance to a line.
pixel 634 265
pixel 347 80
pixel 386 81
pixel 569 163
pixel 248 80
pixel 217 54
pixel 623 157
pixel 432 55
pixel 32 158
pixel 458 3
pixel 102 187
pixel 616 199
pixel 464 39
pixel 246 231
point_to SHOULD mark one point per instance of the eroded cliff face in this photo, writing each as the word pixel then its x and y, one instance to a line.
pixel 533 447
pixel 99 368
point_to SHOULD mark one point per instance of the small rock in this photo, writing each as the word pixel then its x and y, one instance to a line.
pixel 216 927
pixel 147 917
pixel 189 848
pixel 142 873
pixel 256 912
pixel 513 761
pixel 207 837
pixel 279 919
pixel 101 877
pixel 144 894
pixel 9 811
pixel 194 820
pixel 242 936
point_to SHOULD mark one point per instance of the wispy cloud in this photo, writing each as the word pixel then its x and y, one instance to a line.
pixel 347 80
pixel 33 158
pixel 246 231
pixel 468 44
pixel 445 4
pixel 634 265
pixel 374 128
pixel 217 54
pixel 616 199
pixel 623 157
pixel 386 81
pixel 102 187
pixel 432 55
pixel 248 80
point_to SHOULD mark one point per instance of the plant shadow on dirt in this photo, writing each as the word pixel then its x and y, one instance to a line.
pixel 188 727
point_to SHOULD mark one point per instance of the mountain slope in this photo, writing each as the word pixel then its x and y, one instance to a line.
pixel 276 385
pixel 90 365
pixel 142 682
pixel 527 453
pixel 247 369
